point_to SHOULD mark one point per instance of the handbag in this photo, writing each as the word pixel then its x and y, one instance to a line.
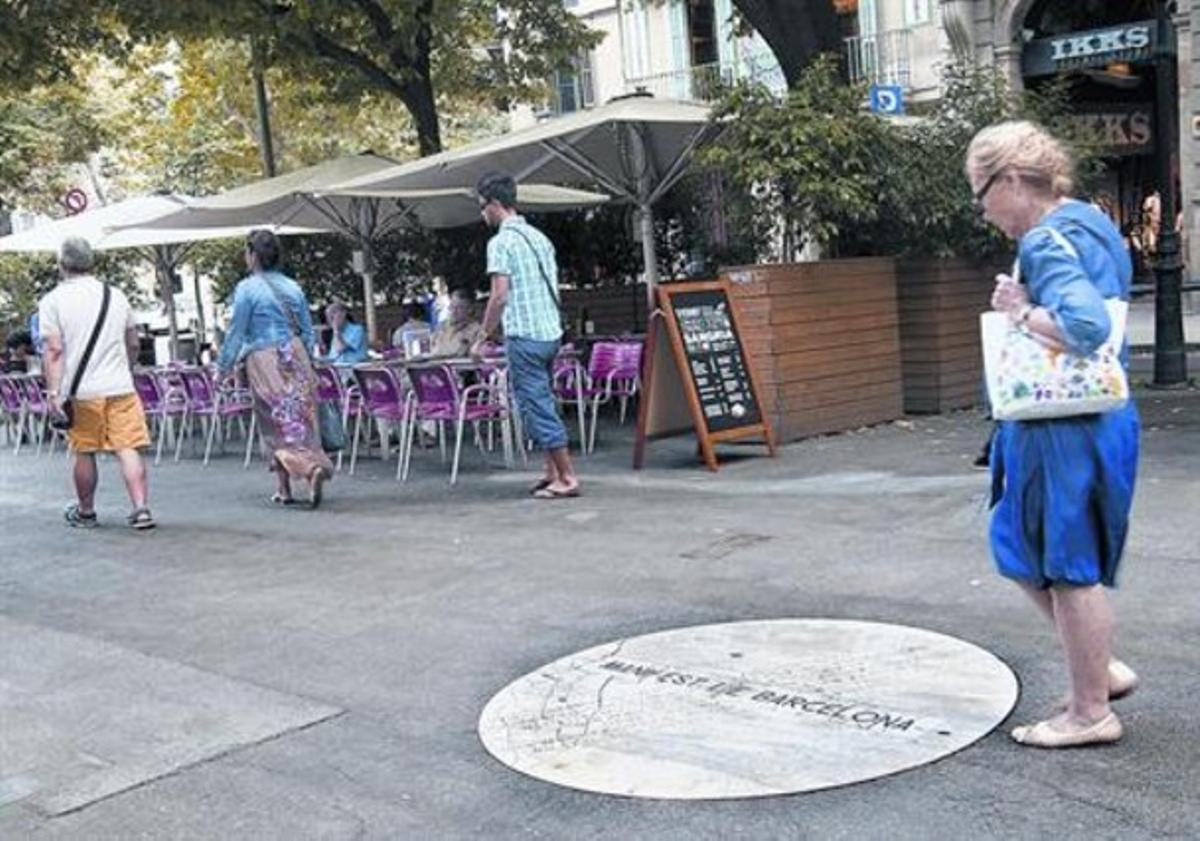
pixel 1028 381
pixel 67 419
pixel 329 419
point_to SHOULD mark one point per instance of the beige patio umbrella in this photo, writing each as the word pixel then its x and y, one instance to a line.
pixel 313 198
pixel 116 226
pixel 635 148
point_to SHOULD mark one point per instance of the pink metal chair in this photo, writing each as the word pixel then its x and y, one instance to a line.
pixel 384 401
pixel 16 418
pixel 568 384
pixel 37 411
pixel 614 371
pixel 162 406
pixel 216 408
pixel 438 397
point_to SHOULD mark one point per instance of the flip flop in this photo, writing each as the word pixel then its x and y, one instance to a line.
pixel 541 485
pixel 1045 735
pixel 550 493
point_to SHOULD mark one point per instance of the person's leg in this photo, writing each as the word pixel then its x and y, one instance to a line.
pixel 1085 626
pixel 85 476
pixel 530 364
pixel 567 480
pixel 283 481
pixel 1040 598
pixel 133 472
pixel 1122 680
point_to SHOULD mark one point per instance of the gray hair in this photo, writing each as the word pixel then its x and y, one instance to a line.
pixel 75 256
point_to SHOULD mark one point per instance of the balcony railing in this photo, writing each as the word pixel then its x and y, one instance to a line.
pixel 882 58
pixel 704 82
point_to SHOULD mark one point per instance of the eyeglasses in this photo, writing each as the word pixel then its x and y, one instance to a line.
pixel 977 200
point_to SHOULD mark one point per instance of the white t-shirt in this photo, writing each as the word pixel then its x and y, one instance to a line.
pixel 69 311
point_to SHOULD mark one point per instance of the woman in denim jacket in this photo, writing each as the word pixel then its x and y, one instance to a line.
pixel 271 329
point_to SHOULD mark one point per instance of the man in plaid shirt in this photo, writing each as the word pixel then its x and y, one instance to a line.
pixel 524 278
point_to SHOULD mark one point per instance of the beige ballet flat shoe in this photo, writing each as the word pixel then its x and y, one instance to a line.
pixel 1045 735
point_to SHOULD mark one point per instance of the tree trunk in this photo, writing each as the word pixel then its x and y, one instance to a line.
pixel 797 32
pixel 418 98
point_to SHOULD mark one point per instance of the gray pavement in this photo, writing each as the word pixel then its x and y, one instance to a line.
pixel 362 641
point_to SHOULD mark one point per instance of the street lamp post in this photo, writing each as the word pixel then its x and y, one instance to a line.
pixel 1170 358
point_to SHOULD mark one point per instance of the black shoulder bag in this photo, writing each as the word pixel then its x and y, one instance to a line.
pixel 67 419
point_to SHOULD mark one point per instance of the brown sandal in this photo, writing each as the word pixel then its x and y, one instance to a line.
pixel 315 483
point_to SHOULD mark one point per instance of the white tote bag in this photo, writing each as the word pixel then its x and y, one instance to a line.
pixel 1028 381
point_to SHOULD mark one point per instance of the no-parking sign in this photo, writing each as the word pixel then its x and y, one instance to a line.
pixel 75 201
pixel 887 99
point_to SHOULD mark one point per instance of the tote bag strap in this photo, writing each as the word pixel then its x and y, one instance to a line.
pixel 1059 238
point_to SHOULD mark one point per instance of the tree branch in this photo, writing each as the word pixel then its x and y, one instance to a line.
pixel 326 47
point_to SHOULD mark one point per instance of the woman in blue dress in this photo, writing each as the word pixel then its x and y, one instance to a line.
pixel 1062 488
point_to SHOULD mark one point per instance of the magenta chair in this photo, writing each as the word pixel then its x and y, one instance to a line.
pixel 437 396
pixel 162 406
pixel 384 401
pixel 16 417
pixel 216 408
pixel 37 411
pixel 614 371
pixel 568 383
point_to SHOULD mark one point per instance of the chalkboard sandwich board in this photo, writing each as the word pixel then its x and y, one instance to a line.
pixel 697 372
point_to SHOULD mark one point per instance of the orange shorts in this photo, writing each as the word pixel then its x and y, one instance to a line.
pixel 108 424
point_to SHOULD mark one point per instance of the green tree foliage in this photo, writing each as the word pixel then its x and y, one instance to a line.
pixel 825 171
pixel 924 193
pixel 25 278
pixel 43 131
pixel 420 52
pixel 810 160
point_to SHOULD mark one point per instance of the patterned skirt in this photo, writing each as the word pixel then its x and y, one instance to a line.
pixel 284 387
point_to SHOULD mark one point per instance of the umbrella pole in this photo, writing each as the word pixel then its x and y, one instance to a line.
pixel 649 254
pixel 367 270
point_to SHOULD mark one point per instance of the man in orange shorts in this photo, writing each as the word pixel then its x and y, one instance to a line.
pixel 108 415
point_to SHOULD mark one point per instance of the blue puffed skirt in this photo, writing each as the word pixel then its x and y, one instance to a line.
pixel 1062 490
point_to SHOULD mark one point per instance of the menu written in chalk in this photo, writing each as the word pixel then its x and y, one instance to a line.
pixel 716 363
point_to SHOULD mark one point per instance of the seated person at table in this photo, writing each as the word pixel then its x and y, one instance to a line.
pixel 21 356
pixel 456 335
pixel 414 325
pixel 349 342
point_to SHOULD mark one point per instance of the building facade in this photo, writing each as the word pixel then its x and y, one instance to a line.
pixel 681 49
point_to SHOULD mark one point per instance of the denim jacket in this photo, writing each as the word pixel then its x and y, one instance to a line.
pixel 258 322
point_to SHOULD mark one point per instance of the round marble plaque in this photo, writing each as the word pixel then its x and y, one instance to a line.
pixel 748 709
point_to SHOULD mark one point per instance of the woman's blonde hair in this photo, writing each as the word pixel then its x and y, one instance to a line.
pixel 1026 149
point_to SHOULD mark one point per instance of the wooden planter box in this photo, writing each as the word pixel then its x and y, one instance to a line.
pixel 824 340
pixel 940 302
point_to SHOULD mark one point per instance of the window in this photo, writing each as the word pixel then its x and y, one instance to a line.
pixel 571 90
pixel 917 12
pixel 868 18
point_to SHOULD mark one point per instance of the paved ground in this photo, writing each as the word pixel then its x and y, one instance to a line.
pixel 388 619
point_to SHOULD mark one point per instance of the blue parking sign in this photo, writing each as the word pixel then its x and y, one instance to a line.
pixel 887 99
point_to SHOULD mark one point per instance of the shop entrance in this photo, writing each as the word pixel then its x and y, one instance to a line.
pixel 1104 52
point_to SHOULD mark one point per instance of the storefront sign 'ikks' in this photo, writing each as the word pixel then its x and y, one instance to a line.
pixel 1092 48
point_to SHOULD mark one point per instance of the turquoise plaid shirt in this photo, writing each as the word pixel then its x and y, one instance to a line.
pixel 515 250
